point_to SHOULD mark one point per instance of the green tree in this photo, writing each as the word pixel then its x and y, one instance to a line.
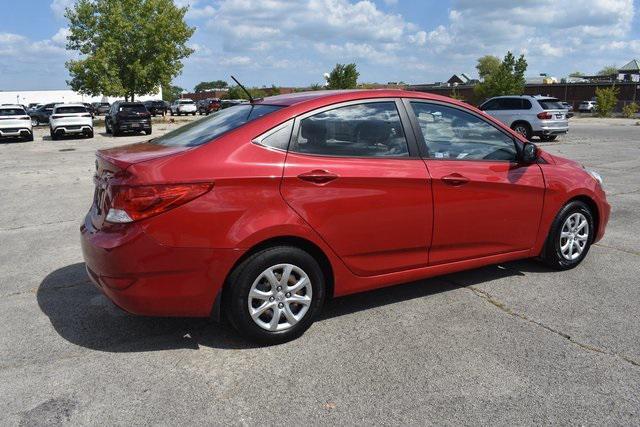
pixel 609 70
pixel 576 74
pixel 607 99
pixel 507 79
pixel 236 92
pixel 170 93
pixel 126 47
pixel 343 77
pixel 315 86
pixel 630 110
pixel 487 65
pixel 216 84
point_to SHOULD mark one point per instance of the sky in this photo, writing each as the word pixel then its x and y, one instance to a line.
pixel 293 42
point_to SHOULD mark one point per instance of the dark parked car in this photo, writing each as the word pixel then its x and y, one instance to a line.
pixel 156 107
pixel 100 108
pixel 226 103
pixel 127 117
pixel 208 106
pixel 90 108
pixel 41 115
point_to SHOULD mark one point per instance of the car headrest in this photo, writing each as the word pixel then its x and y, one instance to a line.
pixel 314 130
pixel 373 131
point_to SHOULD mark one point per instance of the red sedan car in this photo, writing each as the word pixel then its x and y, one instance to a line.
pixel 262 211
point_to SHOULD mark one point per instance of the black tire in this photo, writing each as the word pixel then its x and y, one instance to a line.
pixel 54 137
pixel 147 132
pixel 28 138
pixel 35 122
pixel 89 134
pixel 115 131
pixel 107 128
pixel 548 138
pixel 241 279
pixel 194 113
pixel 552 253
pixel 171 112
pixel 523 128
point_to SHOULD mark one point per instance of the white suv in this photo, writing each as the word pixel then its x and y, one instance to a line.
pixel 70 119
pixel 587 106
pixel 183 106
pixel 530 115
pixel 15 123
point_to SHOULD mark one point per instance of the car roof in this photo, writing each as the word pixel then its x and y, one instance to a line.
pixel 334 96
pixel 7 106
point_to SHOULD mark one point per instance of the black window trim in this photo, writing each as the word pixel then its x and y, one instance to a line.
pixel 424 152
pixel 405 122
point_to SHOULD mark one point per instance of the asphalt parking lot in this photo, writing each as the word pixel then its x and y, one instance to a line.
pixel 509 344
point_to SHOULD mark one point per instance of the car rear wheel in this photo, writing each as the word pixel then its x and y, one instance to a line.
pixel 570 236
pixel 35 122
pixel 275 294
pixel 523 129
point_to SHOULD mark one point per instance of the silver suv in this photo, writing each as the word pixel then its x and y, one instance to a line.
pixel 530 115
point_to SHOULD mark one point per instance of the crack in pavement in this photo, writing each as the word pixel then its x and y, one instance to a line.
pixel 627 251
pixel 54 288
pixel 20 227
pixel 508 310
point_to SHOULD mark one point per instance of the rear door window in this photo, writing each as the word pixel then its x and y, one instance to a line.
pixel 132 108
pixel 511 104
pixel 70 110
pixel 371 129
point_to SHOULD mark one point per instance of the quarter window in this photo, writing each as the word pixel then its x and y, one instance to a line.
pixel 450 133
pixel 370 129
pixel 277 137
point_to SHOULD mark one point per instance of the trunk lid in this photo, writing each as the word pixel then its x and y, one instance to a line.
pixel 111 168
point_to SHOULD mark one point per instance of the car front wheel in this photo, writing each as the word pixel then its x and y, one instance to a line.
pixel 275 294
pixel 523 129
pixel 570 237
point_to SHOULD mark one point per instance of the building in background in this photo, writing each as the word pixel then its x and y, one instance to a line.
pixel 26 97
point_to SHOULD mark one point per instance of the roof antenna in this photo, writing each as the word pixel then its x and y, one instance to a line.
pixel 251 100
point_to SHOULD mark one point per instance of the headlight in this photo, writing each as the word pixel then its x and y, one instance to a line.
pixel 595 175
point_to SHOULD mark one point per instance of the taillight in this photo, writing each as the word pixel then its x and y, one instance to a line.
pixel 25 118
pixel 85 115
pixel 544 115
pixel 133 203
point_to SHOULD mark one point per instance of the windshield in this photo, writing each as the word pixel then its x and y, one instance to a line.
pixel 550 104
pixel 185 102
pixel 204 130
pixel 12 112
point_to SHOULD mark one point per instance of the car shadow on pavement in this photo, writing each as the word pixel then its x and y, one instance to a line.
pixel 83 316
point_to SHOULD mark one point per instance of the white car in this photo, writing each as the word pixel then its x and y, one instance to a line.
pixel 587 106
pixel 183 106
pixel 70 119
pixel 15 123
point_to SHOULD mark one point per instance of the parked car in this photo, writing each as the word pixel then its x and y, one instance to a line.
pixel 15 123
pixel 90 108
pixel 587 106
pixel 70 119
pixel 567 106
pixel 156 107
pixel 530 115
pixel 33 106
pixel 100 107
pixel 208 106
pixel 183 106
pixel 41 115
pixel 126 116
pixel 260 212
pixel 226 103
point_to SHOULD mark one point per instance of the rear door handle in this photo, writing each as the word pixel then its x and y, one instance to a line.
pixel 318 176
pixel 455 179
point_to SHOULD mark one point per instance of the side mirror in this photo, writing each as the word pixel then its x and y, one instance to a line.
pixel 529 153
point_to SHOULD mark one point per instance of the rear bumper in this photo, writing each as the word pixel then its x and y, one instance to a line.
pixel 134 125
pixel 15 132
pixel 144 277
pixel 552 130
pixel 71 129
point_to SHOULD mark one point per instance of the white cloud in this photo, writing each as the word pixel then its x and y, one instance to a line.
pixel 59 6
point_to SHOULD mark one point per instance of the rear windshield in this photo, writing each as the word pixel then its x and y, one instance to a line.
pixel 185 102
pixel 204 130
pixel 132 108
pixel 69 110
pixel 12 112
pixel 550 104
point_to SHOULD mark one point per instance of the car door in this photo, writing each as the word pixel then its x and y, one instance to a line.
pixel 354 175
pixel 485 201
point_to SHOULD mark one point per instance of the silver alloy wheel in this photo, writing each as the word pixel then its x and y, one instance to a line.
pixel 34 122
pixel 521 129
pixel 280 297
pixel 574 236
